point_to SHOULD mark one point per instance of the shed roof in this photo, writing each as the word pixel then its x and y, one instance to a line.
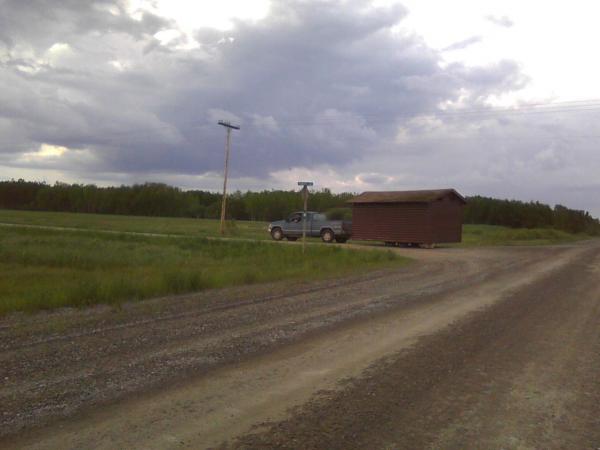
pixel 421 196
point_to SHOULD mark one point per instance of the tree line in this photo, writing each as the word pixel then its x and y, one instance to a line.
pixel 157 199
pixel 517 214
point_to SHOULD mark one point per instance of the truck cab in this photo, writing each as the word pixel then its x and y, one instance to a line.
pixel 316 225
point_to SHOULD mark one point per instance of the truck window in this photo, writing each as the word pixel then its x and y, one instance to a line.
pixel 319 217
pixel 295 218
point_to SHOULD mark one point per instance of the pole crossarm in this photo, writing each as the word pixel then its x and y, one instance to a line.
pixel 228 125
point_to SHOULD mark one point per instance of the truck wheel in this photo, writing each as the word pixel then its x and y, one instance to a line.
pixel 292 238
pixel 277 234
pixel 327 236
pixel 340 240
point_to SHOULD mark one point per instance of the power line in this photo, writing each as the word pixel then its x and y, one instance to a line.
pixel 480 113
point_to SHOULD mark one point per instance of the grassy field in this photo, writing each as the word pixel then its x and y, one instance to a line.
pixel 473 235
pixel 485 235
pixel 44 269
pixel 139 224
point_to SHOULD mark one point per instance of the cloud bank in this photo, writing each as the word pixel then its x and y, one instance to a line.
pixel 332 90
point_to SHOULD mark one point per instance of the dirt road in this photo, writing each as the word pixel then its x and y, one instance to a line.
pixel 481 348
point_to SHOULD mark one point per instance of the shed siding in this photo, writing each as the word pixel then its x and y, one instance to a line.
pixel 446 220
pixel 396 222
pixel 380 217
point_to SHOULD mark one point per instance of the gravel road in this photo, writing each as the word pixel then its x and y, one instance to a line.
pixel 465 348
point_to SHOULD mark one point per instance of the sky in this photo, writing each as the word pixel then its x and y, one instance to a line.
pixel 496 98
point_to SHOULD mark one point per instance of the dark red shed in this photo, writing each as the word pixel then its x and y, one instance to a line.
pixel 409 217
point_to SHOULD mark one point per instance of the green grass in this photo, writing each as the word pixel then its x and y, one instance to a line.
pixel 139 224
pixel 473 235
pixel 486 235
pixel 45 269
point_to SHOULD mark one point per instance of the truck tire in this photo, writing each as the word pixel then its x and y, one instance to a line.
pixel 327 236
pixel 277 234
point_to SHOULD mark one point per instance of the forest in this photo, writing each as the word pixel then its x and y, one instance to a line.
pixel 157 199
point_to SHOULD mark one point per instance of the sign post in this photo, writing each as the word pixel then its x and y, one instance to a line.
pixel 304 191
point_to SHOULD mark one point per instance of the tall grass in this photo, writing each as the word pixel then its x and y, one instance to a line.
pixel 44 269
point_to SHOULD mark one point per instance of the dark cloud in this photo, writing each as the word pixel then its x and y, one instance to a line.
pixel 41 23
pixel 331 78
pixel 332 87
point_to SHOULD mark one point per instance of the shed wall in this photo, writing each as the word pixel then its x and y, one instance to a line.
pixel 395 222
pixel 446 220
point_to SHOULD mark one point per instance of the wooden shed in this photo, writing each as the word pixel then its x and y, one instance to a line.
pixel 424 217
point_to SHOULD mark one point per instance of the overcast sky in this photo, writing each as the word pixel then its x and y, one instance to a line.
pixel 496 98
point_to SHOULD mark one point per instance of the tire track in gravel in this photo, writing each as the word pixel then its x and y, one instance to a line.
pixel 32 378
pixel 184 315
pixel 521 374
pixel 314 316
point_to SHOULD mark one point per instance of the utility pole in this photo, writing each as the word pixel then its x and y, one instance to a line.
pixel 229 127
pixel 305 185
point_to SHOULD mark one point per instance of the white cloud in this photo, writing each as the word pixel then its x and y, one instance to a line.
pixel 374 180
pixel 190 16
pixel 265 123
pixel 501 21
pixel 47 150
pixel 553 44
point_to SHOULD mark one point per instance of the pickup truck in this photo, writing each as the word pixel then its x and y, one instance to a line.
pixel 316 225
